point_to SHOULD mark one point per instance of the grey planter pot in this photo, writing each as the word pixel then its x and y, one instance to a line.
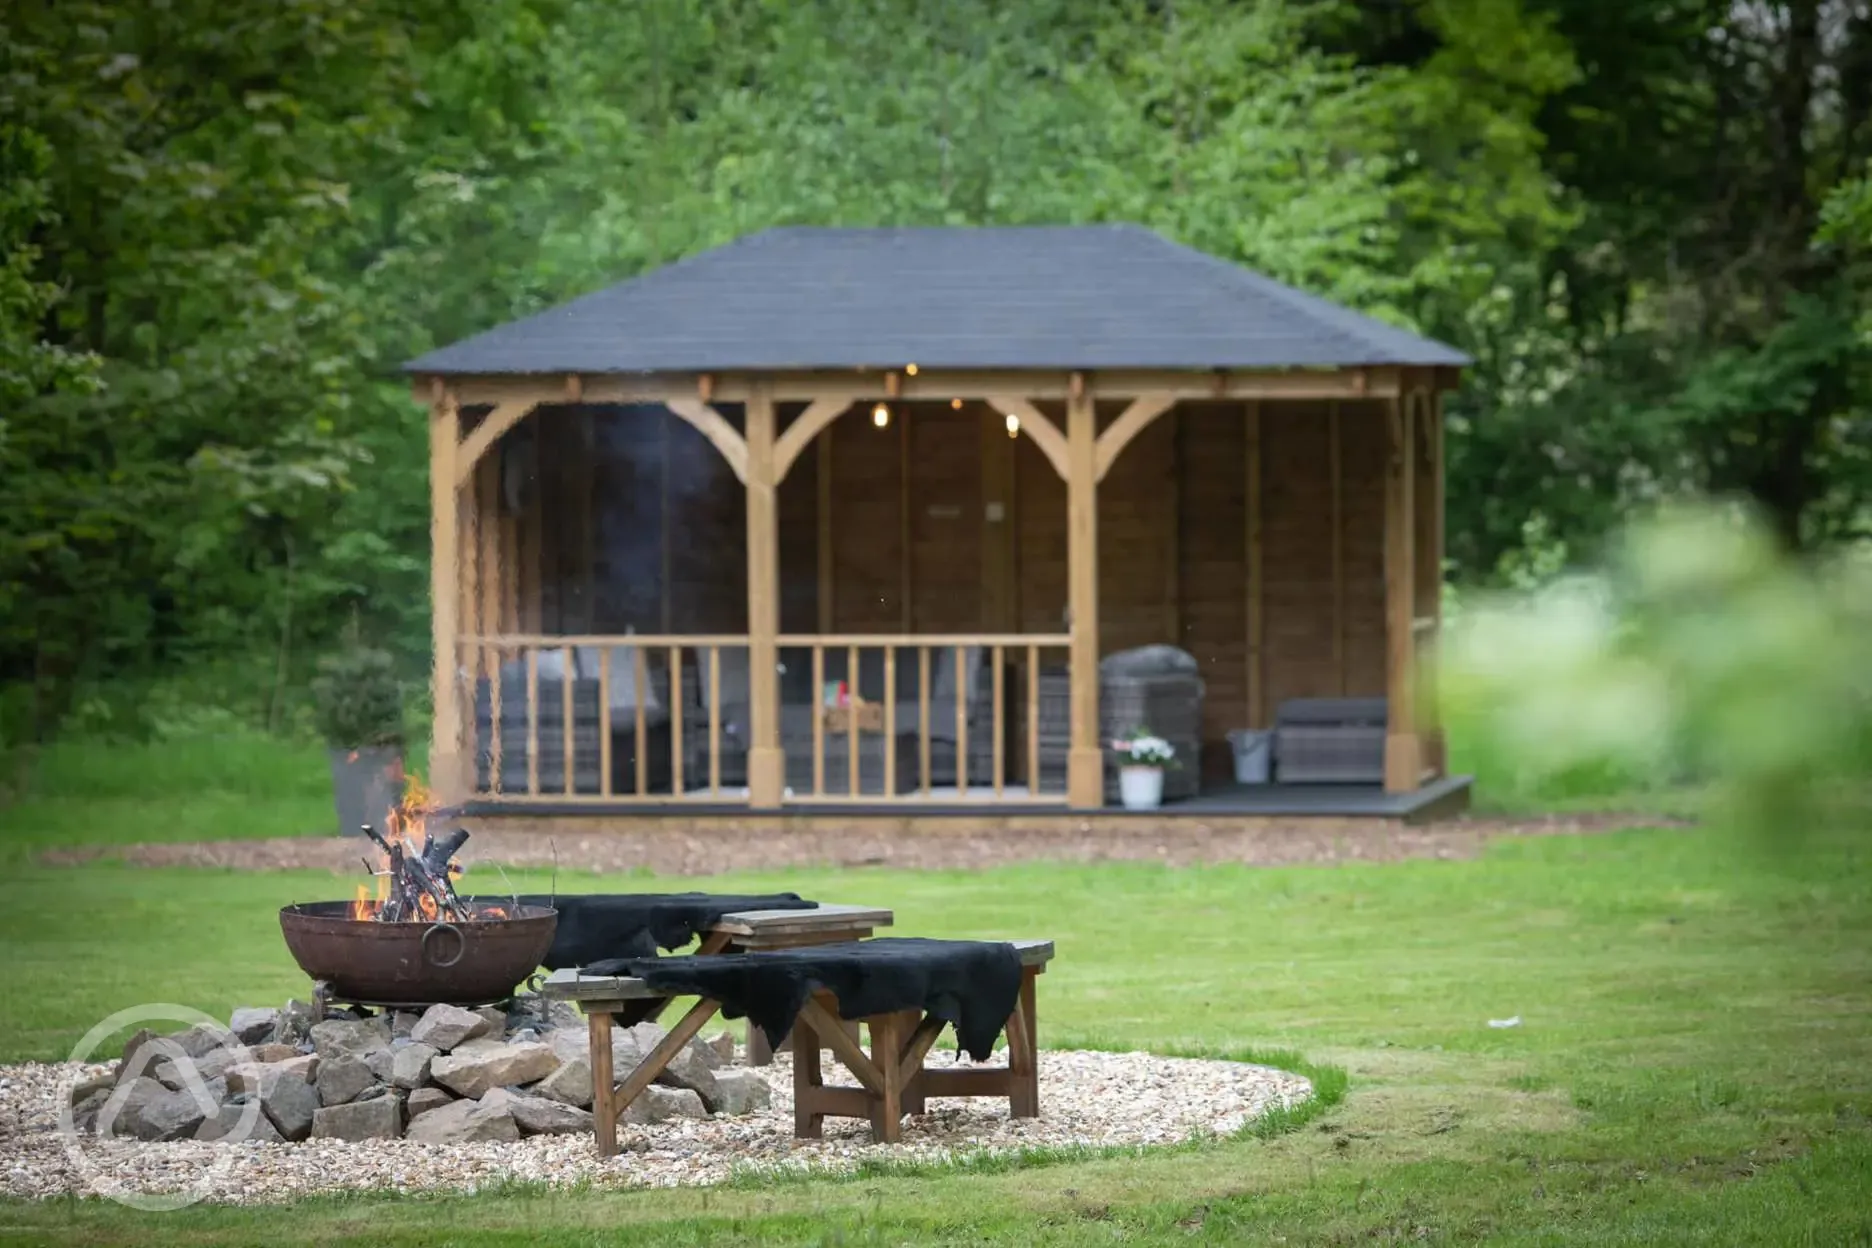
pixel 368 784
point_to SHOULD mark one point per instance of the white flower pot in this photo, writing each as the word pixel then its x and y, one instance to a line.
pixel 1140 788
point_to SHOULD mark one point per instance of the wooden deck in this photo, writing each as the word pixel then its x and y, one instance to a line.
pixel 1219 803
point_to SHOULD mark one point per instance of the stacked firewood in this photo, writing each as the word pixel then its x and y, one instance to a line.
pixel 419 887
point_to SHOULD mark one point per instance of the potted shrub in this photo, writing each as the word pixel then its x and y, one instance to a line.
pixel 359 706
pixel 1140 774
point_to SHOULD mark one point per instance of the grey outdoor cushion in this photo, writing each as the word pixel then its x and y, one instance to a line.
pixel 1331 711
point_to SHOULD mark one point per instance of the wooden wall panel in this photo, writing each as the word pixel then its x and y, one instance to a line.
pixel 867 525
pixel 945 500
pixel 707 510
pixel 1297 551
pixel 798 507
pixel 1040 535
pixel 1362 464
pixel 1213 572
pixel 1137 516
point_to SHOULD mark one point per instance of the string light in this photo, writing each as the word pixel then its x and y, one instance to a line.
pixel 880 415
pixel 910 369
pixel 956 403
pixel 1013 425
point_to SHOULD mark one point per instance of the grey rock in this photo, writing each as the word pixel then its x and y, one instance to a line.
pixel 202 1039
pixel 496 1018
pixel 571 1084
pixel 295 1022
pixel 84 1113
pixel 536 1115
pixel 482 1064
pixel 409 1067
pixel 659 1104
pixel 381 1063
pixel 563 1014
pixel 252 1077
pixel 402 1023
pixel 422 1100
pixel 444 1027
pixel 378 1119
pixel 464 1122
pixel 357 1038
pixel 126 1060
pixel 253 1025
pixel 341 1079
pixel 526 1035
pixel 231 1122
pixel 377 1090
pixel 146 1054
pixel 173 1115
pixel 724 1046
pixel 122 1109
pixel 689 1069
pixel 215 1064
pixel 742 1091
pixel 289 1104
pixel 274 1053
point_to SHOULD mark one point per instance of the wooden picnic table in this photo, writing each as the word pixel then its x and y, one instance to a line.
pixel 892 1077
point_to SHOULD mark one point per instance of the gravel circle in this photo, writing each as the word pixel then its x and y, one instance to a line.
pixel 699 848
pixel 1087 1099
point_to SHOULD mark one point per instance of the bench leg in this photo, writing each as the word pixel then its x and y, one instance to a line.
pixel 807 1124
pixel 913 1098
pixel 887 1039
pixel 604 1091
pixel 1024 1053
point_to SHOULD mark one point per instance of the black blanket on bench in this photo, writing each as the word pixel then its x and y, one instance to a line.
pixel 970 984
pixel 607 926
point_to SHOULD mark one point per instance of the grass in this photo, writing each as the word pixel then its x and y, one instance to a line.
pixel 1694 1062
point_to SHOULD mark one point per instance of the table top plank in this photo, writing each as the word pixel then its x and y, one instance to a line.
pixel 824 918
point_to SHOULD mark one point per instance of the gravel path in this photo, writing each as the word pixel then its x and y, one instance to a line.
pixel 694 851
pixel 1095 1099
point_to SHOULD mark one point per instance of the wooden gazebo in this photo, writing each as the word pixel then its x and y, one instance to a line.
pixel 850 516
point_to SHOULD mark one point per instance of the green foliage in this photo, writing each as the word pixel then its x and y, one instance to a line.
pixel 357 699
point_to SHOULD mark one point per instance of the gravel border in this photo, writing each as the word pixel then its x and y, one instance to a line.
pixel 1091 1099
pixel 684 851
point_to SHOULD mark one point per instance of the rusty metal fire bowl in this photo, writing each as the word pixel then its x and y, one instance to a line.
pixel 420 963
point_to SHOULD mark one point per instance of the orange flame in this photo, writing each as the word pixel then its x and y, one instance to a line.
pixel 362 907
pixel 405 826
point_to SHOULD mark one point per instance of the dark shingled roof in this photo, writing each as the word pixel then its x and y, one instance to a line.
pixel 1022 297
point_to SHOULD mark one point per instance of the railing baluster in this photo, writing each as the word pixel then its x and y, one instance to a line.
pixel 640 741
pixel 818 720
pixel 1033 721
pixel 532 673
pixel 995 725
pixel 961 767
pixel 675 720
pixel 565 687
pixel 851 720
pixel 604 721
pixel 923 715
pixel 714 720
pixel 890 722
pixel 494 723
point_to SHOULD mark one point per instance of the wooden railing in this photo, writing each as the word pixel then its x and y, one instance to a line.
pixel 622 728
pixel 953 748
pixel 601 719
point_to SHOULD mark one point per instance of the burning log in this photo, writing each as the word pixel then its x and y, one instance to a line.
pixel 416 887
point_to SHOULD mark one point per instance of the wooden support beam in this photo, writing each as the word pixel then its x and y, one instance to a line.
pixel 1085 766
pixel 766 764
pixel 712 425
pixel 1131 422
pixel 1335 467
pixel 1045 433
pixel 828 586
pixel 1403 764
pixel 446 777
pixel 861 386
pixel 499 420
pixel 808 425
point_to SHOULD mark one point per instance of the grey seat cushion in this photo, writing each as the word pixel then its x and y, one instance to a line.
pixel 1331 711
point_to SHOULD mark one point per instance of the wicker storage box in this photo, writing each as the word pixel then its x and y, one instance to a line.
pixel 1158 688
pixel 1329 741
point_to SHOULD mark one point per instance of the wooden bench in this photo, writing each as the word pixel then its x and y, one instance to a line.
pixel 892 1077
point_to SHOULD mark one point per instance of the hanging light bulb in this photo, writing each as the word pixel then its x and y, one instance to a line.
pixel 910 369
pixel 956 404
pixel 1013 425
pixel 880 415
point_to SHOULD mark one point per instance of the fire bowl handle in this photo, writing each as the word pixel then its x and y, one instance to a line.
pixel 461 945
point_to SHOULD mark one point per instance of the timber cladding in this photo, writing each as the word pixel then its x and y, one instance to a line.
pixel 938 523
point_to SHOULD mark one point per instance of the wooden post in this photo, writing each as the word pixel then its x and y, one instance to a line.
pixel 1430 574
pixel 1403 759
pixel 766 763
pixel 1257 682
pixel 1085 766
pixel 445 747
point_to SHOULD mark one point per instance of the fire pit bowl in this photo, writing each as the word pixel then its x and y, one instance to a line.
pixel 421 963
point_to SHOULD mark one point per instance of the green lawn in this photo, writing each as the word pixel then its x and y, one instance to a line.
pixel 1694 1061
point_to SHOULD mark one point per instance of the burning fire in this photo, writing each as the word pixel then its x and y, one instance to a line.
pixel 414 873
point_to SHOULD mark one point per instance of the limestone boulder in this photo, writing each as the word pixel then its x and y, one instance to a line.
pixel 537 1115
pixel 380 1118
pixel 464 1122
pixel 253 1025
pixel 341 1079
pixel 479 1065
pixel 340 1037
pixel 443 1027
pixel 740 1091
pixel 409 1066
pixel 239 1122
pixel 659 1104
pixel 422 1100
